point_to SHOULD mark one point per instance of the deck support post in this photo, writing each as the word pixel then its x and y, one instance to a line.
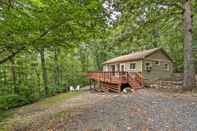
pixel 94 84
pixel 90 84
pixel 99 84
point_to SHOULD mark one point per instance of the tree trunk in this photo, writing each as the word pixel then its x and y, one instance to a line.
pixel 57 68
pixel 189 73
pixel 14 77
pixel 83 59
pixel 44 71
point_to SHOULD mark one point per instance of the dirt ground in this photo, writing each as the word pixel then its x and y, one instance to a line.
pixel 144 110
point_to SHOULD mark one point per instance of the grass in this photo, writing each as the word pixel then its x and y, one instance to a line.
pixel 5 116
pixel 63 113
pixel 47 102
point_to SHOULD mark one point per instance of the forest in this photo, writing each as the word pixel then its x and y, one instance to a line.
pixel 46 46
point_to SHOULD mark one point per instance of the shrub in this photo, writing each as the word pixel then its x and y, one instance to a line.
pixel 29 94
pixel 12 101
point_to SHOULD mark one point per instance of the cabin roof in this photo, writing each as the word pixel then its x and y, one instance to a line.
pixel 139 55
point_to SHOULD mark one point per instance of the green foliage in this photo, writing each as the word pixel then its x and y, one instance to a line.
pixel 58 28
pixel 12 101
pixel 147 24
pixel 78 36
pixel 29 94
pixel 3 115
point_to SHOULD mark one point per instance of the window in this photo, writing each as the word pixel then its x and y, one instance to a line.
pixel 132 66
pixel 105 68
pixel 118 67
pixel 166 67
pixel 157 63
pixel 148 66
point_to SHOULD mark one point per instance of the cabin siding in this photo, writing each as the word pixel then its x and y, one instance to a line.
pixel 158 71
pixel 105 68
pixel 138 65
pixel 158 61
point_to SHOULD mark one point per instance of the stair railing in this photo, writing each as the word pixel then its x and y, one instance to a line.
pixel 135 77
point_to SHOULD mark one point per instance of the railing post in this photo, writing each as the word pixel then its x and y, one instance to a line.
pixel 104 76
pixel 119 75
pixel 127 76
pixel 110 76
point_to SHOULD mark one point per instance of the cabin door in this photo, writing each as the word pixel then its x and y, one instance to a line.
pixel 113 69
pixel 122 68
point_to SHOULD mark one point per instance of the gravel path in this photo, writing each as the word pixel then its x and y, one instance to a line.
pixel 145 110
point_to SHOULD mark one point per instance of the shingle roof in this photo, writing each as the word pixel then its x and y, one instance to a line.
pixel 134 56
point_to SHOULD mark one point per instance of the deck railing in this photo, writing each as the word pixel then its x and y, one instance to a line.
pixel 116 77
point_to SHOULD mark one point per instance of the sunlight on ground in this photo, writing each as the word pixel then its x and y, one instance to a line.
pixel 8 118
pixel 56 99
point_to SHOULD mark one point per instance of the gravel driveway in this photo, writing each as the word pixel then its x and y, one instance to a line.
pixel 145 110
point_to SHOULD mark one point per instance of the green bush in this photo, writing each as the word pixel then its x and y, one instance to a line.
pixel 12 101
pixel 61 89
pixel 127 90
pixel 29 94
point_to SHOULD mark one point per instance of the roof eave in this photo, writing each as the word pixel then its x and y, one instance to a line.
pixel 118 62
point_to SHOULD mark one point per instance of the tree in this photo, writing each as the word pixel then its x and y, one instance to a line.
pixel 44 71
pixel 57 67
pixel 189 72
pixel 140 22
pixel 13 68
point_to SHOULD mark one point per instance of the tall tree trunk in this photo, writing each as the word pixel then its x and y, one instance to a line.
pixel 44 71
pixel 14 77
pixel 189 73
pixel 83 59
pixel 57 68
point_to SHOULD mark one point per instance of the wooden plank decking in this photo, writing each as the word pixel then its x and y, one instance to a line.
pixel 109 79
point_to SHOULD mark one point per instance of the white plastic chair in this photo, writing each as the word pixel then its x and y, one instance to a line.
pixel 78 88
pixel 71 88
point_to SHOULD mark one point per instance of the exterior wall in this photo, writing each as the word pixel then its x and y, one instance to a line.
pixel 105 68
pixel 158 71
pixel 138 65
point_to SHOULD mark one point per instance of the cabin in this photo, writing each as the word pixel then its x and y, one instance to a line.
pixel 134 70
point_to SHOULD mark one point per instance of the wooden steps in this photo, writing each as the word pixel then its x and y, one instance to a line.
pixel 135 80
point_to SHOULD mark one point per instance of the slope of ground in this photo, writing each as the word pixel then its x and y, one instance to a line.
pixel 145 110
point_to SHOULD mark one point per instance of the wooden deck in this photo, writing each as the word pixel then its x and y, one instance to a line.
pixel 114 80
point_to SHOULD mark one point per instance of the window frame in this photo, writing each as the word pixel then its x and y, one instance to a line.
pixel 168 67
pixel 159 63
pixel 122 66
pixel 133 66
pixel 150 66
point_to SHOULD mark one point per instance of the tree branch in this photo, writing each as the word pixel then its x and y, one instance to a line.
pixel 12 55
pixel 23 47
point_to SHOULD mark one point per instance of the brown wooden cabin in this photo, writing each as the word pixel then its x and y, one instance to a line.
pixel 134 70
